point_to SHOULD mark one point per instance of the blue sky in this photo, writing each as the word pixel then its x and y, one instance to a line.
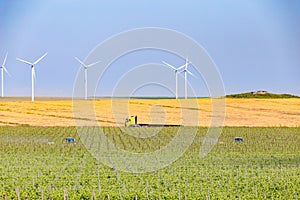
pixel 255 44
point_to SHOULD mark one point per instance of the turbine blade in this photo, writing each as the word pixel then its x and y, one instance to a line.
pixel 84 65
pixel 169 65
pixel 181 67
pixel 6 70
pixel 5 59
pixel 93 63
pixel 191 73
pixel 38 60
pixel 24 61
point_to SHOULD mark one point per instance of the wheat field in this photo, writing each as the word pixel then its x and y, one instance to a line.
pixel 107 112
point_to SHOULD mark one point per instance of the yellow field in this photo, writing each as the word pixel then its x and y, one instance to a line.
pixel 239 112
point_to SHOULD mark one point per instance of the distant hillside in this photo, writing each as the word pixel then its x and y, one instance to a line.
pixel 262 95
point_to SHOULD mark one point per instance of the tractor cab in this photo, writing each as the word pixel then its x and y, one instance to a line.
pixel 131 121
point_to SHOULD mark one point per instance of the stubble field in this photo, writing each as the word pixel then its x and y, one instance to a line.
pixel 239 112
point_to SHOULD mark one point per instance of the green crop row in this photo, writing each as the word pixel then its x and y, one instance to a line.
pixel 37 163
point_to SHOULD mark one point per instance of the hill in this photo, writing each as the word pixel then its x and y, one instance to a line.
pixel 262 95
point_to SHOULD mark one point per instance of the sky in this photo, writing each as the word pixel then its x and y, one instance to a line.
pixel 254 44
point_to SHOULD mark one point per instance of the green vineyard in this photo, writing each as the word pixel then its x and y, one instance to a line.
pixel 37 163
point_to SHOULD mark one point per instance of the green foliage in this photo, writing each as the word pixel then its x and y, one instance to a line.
pixel 262 96
pixel 264 166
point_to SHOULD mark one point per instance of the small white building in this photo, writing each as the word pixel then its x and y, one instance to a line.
pixel 259 92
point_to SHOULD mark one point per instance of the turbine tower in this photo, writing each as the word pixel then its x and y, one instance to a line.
pixel 2 75
pixel 186 71
pixel 176 75
pixel 32 72
pixel 85 66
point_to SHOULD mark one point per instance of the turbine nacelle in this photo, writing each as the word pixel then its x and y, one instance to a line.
pixel 3 65
pixel 85 66
pixel 34 63
pixel 172 67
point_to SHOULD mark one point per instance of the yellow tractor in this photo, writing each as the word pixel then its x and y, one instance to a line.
pixel 132 121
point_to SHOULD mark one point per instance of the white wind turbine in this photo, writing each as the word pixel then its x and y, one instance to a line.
pixel 85 66
pixel 186 71
pixel 2 75
pixel 32 72
pixel 176 75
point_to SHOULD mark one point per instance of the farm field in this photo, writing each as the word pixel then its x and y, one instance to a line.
pixel 239 112
pixel 36 162
pixel 264 166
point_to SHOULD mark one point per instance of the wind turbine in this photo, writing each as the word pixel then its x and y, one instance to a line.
pixel 176 75
pixel 85 66
pixel 186 71
pixel 32 72
pixel 2 75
